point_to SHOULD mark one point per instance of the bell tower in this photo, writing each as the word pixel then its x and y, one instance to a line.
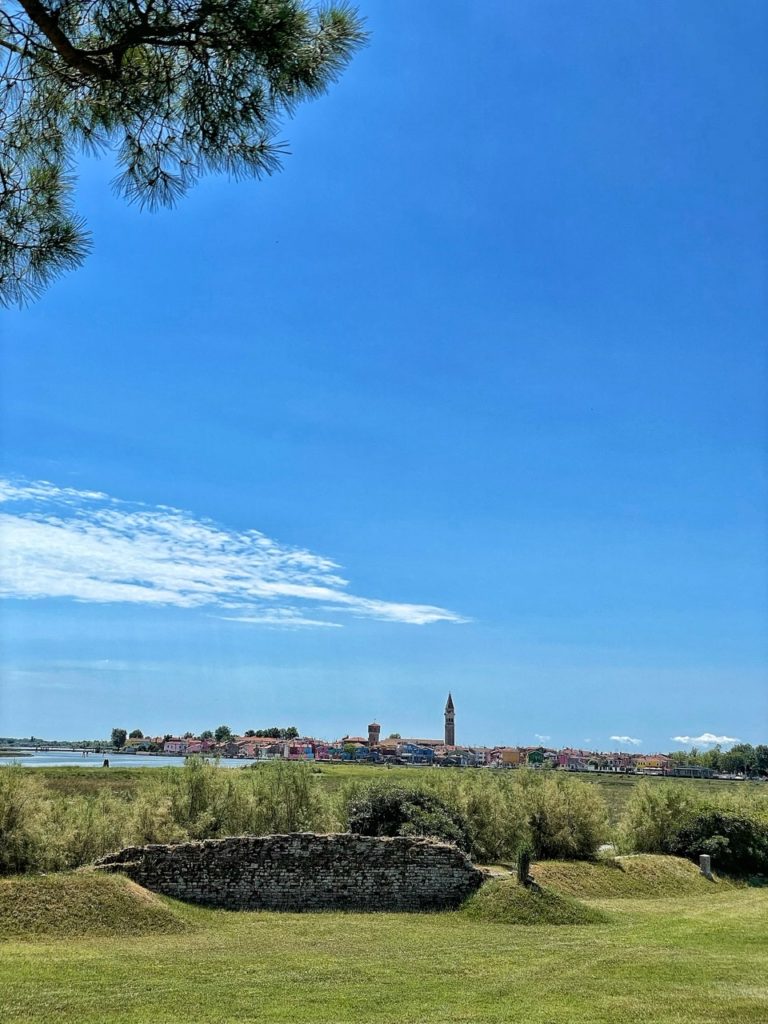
pixel 374 733
pixel 450 723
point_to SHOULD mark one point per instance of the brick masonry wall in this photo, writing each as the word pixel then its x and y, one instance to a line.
pixel 304 871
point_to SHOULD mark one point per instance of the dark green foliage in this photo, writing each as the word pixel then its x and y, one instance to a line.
pixel 275 731
pixel 737 845
pixel 223 733
pixel 741 759
pixel 175 88
pixel 385 810
pixel 119 737
pixel 136 734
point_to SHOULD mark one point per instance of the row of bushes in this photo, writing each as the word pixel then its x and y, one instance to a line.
pixel 555 816
pixel 731 826
pixel 492 816
pixel 39 831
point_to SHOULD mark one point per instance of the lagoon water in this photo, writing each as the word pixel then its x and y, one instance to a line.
pixel 66 758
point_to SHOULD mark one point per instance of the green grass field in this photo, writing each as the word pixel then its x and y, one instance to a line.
pixel 116 954
pixel 125 780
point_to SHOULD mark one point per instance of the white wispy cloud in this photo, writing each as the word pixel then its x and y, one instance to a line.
pixel 85 545
pixel 282 618
pixel 705 740
pixel 541 738
pixel 627 739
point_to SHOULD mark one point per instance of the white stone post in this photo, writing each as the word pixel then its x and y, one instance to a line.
pixel 705 865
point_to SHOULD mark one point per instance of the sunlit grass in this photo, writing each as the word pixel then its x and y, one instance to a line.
pixel 682 960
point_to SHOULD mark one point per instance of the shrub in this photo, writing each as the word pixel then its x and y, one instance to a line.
pixel 81 829
pixel 387 810
pixel 21 827
pixel 566 818
pixel 496 818
pixel 737 845
pixel 654 814
pixel 657 812
pixel 550 814
pixel 203 801
pixel 198 801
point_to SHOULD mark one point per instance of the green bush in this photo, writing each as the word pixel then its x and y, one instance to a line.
pixel 203 801
pixel 199 801
pixel 81 829
pixel 737 845
pixel 387 810
pixel 495 816
pixel 567 819
pixel 21 835
pixel 289 797
pixel 551 814
pixel 654 814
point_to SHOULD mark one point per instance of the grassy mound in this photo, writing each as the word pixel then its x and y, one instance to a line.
pixel 79 904
pixel 504 901
pixel 644 875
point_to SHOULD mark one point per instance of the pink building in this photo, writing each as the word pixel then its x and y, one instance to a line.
pixel 175 746
pixel 199 746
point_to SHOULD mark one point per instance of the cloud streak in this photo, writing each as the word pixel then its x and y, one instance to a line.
pixel 627 739
pixel 705 740
pixel 64 543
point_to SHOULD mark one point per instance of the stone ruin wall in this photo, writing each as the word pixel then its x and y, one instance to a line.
pixel 304 871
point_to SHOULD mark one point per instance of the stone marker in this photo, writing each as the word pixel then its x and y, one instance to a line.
pixel 705 865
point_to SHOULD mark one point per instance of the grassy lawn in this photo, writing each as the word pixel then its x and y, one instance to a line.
pixel 701 959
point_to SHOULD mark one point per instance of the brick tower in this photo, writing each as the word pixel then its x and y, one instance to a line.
pixel 374 732
pixel 450 723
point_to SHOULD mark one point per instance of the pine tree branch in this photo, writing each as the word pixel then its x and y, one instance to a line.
pixel 71 55
pixel 12 47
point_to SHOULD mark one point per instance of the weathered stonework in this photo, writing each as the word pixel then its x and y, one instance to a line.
pixel 304 871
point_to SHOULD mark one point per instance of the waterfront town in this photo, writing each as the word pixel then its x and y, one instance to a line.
pixel 394 749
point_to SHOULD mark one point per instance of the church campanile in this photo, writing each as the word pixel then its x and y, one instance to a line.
pixel 450 723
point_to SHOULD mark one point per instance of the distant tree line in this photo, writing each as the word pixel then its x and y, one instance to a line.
pixel 742 758
pixel 274 732
pixel 221 734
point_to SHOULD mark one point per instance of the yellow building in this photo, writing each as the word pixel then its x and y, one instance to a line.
pixel 513 756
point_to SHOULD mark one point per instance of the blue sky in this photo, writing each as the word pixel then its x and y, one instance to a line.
pixel 492 344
